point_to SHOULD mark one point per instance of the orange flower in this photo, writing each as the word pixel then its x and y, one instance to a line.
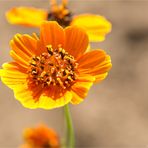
pixel 96 26
pixel 40 137
pixel 55 69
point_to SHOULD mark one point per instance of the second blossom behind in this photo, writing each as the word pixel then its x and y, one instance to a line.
pixel 96 26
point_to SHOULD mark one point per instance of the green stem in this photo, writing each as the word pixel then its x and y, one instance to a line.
pixel 70 138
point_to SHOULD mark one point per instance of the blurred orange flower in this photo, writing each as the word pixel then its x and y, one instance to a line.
pixel 55 69
pixel 96 26
pixel 40 137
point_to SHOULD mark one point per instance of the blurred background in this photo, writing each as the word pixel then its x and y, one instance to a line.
pixel 115 112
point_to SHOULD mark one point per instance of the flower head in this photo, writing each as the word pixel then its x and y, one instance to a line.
pixel 96 26
pixel 40 137
pixel 55 69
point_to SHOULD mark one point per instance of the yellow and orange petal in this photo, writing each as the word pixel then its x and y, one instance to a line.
pixel 40 137
pixel 97 66
pixel 76 41
pixel 80 89
pixel 55 69
pixel 96 26
pixel 27 16
pixel 36 98
pixel 52 35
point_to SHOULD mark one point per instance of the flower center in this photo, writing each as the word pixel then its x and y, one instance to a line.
pixel 52 68
pixel 61 14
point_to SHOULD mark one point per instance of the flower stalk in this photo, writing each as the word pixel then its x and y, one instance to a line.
pixel 70 138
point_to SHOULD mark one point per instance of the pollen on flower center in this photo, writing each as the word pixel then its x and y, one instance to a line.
pixel 52 68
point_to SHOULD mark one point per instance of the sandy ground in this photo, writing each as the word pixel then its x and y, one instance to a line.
pixel 115 113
